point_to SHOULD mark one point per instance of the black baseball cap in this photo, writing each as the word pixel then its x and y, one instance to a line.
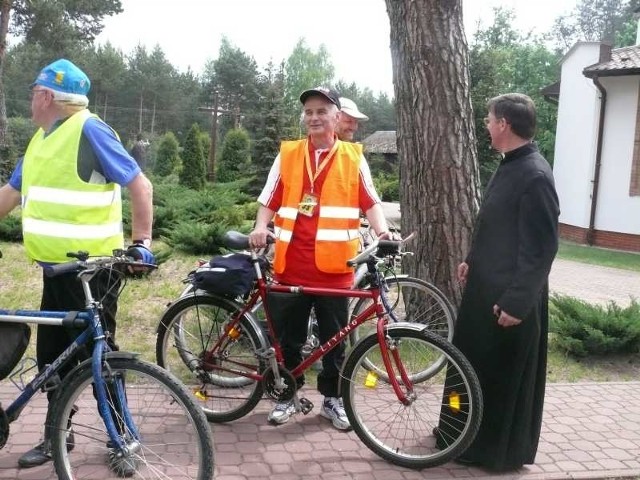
pixel 331 95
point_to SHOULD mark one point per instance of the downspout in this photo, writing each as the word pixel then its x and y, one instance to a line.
pixel 596 173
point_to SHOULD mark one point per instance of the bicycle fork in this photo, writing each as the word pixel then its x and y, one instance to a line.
pixel 112 404
pixel 388 351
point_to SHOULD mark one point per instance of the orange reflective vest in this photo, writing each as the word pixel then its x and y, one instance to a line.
pixel 337 236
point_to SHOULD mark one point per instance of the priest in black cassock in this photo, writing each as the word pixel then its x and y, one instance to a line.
pixel 502 322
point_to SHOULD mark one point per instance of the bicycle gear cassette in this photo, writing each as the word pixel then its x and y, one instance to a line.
pixel 284 392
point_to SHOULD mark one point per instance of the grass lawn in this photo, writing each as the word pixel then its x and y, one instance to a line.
pixel 599 256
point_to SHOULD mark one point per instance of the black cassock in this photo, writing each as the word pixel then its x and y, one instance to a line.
pixel 514 243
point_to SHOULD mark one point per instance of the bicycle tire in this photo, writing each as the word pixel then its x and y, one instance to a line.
pixel 415 301
pixel 187 331
pixel 404 435
pixel 175 438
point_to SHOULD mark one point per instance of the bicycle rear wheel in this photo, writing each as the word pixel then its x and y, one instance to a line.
pixel 187 333
pixel 415 301
pixel 406 434
pixel 174 436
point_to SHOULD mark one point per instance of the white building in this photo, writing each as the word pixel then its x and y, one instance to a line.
pixel 597 151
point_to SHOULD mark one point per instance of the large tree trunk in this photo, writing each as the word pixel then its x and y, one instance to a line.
pixel 439 193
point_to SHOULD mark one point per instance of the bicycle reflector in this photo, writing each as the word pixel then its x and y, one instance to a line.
pixel 233 333
pixel 454 401
pixel 371 380
pixel 200 394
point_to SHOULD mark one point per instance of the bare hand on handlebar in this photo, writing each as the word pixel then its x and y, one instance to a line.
pixel 260 236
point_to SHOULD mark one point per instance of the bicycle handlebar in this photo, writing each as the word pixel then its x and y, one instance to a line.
pixel 85 263
pixel 382 248
pixel 239 241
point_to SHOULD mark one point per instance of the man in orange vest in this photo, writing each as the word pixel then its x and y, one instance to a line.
pixel 316 189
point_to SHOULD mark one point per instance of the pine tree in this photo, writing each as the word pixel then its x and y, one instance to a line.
pixel 167 158
pixel 193 171
pixel 235 160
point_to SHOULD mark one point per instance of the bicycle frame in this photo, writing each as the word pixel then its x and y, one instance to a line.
pixel 378 307
pixel 88 318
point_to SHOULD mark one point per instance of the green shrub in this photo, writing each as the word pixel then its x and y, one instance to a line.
pixel 193 220
pixel 388 186
pixel 166 158
pixel 235 160
pixel 11 227
pixel 193 173
pixel 582 329
pixel 197 238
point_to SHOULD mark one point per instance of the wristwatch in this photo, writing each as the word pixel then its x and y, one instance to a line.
pixel 145 242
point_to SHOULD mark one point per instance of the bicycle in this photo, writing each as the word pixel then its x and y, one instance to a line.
pixel 391 410
pixel 144 415
pixel 411 299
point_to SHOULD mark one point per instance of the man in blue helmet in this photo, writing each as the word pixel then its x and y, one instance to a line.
pixel 68 184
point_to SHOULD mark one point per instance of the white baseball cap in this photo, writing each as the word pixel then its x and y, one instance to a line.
pixel 350 108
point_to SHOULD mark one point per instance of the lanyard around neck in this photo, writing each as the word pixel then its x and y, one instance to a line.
pixel 307 161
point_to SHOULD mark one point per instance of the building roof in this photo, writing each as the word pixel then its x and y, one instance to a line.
pixel 623 61
pixel 551 92
pixel 382 141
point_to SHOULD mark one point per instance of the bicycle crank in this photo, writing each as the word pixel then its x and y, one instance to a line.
pixel 281 389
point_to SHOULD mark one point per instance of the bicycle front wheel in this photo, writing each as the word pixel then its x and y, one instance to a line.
pixel 194 344
pixel 415 301
pixel 407 434
pixel 173 439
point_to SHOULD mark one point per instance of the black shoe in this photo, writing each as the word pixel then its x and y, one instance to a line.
pixel 38 455
pixel 41 453
pixel 466 461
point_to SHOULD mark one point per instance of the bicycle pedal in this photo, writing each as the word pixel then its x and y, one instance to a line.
pixel 305 405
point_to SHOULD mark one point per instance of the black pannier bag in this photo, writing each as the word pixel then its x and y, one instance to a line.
pixel 14 340
pixel 230 275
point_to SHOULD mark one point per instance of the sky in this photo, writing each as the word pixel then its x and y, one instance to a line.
pixel 355 32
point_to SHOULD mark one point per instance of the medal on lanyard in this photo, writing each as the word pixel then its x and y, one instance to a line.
pixel 309 200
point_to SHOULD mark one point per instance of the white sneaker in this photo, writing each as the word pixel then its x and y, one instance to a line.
pixel 281 413
pixel 333 409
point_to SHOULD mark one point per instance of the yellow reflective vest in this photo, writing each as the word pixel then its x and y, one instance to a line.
pixel 61 212
pixel 337 236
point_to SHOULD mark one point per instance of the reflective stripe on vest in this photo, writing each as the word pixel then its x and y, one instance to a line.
pixel 61 212
pixel 337 237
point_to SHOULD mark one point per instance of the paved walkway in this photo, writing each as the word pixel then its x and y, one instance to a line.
pixel 590 430
pixel 593 283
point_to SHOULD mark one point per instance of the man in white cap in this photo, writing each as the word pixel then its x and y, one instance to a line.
pixel 74 154
pixel 349 119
